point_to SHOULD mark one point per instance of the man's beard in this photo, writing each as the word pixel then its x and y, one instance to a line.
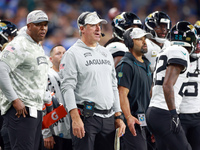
pixel 143 51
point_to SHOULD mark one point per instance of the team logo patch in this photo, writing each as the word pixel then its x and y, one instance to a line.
pixel 120 74
pixel 198 23
pixel 62 66
pixel 89 107
pixel 183 53
pixel 153 54
pixel 137 22
pixel 118 19
pixel 191 27
pixel 3 26
pixel 42 60
pixel 97 62
pixel 150 15
pixel 104 54
pixel 87 54
pixel 10 48
pixel 5 54
pixel 188 39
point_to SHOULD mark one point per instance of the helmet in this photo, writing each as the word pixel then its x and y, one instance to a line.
pixel 196 53
pixel 6 29
pixel 197 26
pixel 184 33
pixel 153 20
pixel 124 21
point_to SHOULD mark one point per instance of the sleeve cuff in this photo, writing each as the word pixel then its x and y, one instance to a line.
pixel 46 133
pixel 116 107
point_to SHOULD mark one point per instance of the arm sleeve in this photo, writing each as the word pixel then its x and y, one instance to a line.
pixel 5 82
pixel 68 75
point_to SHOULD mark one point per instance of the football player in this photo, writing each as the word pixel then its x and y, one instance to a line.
pixel 8 31
pixel 190 106
pixel 119 24
pixel 197 26
pixel 158 24
pixel 172 67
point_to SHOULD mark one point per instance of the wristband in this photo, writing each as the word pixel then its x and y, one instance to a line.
pixel 119 117
pixel 173 112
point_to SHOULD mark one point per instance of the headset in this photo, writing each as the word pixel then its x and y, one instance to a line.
pixel 127 39
pixel 82 18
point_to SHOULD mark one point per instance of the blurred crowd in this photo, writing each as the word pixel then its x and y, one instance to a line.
pixel 63 14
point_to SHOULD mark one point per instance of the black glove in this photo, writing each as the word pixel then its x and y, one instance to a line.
pixel 175 122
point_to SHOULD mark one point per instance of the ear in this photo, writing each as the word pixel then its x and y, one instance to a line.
pixel 50 58
pixel 82 29
pixel 29 26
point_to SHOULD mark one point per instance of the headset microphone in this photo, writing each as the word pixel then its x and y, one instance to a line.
pixel 102 34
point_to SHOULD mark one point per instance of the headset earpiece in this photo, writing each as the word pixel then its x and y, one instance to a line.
pixel 82 19
pixel 127 39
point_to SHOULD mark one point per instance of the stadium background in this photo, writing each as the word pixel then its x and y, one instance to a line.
pixel 64 13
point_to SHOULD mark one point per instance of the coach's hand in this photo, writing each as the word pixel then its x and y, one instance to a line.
pixel 49 142
pixel 77 124
pixel 19 107
pixel 119 123
pixel 131 121
pixel 175 121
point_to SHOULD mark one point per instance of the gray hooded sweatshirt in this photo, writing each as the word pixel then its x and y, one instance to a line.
pixel 88 74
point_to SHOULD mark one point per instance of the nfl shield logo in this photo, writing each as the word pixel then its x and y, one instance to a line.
pixel 120 74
